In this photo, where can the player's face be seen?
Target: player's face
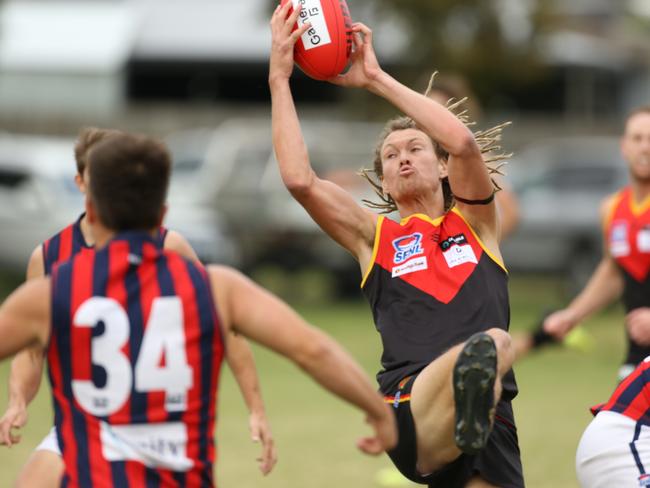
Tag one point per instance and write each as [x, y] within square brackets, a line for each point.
[635, 146]
[409, 164]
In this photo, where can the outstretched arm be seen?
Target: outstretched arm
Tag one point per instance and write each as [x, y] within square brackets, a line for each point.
[273, 324]
[242, 364]
[604, 286]
[468, 175]
[24, 323]
[26, 370]
[332, 208]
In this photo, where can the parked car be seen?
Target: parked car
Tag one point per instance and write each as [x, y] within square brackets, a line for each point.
[38, 197]
[560, 184]
[235, 166]
[37, 194]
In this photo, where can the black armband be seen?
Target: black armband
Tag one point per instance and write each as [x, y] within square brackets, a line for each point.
[485, 201]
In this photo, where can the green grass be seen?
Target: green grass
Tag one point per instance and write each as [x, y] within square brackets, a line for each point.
[315, 432]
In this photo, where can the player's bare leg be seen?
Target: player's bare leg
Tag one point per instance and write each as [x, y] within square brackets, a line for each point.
[43, 469]
[433, 402]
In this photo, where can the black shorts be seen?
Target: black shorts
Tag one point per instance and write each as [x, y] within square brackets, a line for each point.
[499, 463]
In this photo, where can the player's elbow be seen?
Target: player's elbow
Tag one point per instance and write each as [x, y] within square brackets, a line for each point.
[465, 145]
[299, 185]
[312, 354]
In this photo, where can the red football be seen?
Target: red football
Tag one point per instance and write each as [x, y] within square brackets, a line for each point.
[324, 50]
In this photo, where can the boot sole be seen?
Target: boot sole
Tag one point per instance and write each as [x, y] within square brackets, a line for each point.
[473, 380]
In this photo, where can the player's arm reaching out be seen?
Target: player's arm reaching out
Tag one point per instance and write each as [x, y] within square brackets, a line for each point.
[242, 364]
[468, 175]
[26, 372]
[24, 326]
[273, 324]
[604, 286]
[331, 207]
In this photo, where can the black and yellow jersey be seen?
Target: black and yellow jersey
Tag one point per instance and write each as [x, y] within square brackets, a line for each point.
[431, 284]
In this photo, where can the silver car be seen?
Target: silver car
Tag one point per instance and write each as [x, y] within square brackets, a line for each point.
[560, 184]
[237, 171]
[38, 198]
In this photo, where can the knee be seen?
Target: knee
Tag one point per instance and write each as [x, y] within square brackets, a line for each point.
[502, 339]
[505, 349]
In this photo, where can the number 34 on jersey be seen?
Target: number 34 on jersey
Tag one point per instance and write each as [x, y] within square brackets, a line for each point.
[161, 365]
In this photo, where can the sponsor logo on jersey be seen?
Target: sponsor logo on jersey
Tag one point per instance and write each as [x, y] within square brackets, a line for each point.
[458, 239]
[457, 251]
[643, 240]
[410, 266]
[618, 243]
[159, 445]
[407, 246]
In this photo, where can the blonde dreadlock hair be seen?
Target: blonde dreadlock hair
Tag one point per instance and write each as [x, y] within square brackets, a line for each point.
[487, 140]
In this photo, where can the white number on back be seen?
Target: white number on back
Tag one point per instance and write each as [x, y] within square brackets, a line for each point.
[165, 337]
[163, 342]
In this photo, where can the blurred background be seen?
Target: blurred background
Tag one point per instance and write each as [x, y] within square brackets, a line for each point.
[194, 73]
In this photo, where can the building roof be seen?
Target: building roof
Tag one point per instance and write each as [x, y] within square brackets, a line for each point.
[66, 36]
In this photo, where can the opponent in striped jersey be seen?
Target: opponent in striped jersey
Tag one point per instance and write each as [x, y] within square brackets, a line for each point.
[615, 448]
[134, 338]
[148, 380]
[44, 467]
[435, 283]
[70, 241]
[624, 270]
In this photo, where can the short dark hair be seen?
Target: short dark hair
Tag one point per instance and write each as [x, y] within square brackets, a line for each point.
[129, 177]
[88, 137]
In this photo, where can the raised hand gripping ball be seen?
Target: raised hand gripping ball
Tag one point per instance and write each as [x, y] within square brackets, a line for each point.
[324, 50]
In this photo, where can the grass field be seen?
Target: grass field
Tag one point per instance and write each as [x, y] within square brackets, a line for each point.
[315, 432]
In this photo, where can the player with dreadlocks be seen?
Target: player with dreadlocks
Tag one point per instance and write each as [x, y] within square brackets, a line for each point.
[435, 281]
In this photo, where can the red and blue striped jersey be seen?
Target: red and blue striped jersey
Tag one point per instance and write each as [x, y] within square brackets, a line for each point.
[69, 241]
[134, 359]
[632, 396]
[63, 245]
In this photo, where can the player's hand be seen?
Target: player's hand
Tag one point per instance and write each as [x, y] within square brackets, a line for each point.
[283, 40]
[385, 437]
[558, 324]
[261, 432]
[364, 67]
[638, 325]
[14, 418]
